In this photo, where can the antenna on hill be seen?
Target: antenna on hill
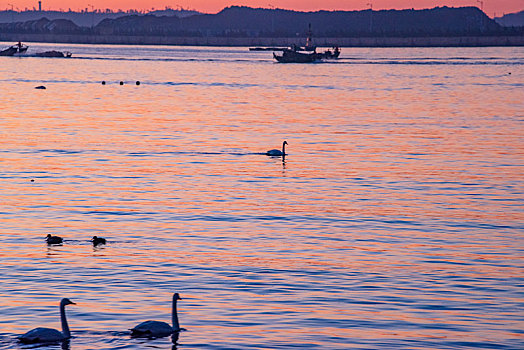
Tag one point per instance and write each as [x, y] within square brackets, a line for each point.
[272, 18]
[481, 5]
[481, 2]
[370, 4]
[92, 15]
[12, 13]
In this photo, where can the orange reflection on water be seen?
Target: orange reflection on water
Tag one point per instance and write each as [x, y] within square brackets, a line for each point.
[399, 196]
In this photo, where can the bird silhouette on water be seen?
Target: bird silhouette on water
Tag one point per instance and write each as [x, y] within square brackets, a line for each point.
[49, 335]
[277, 152]
[98, 240]
[158, 329]
[54, 239]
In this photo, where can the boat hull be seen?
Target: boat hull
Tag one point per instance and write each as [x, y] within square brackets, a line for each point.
[9, 51]
[289, 56]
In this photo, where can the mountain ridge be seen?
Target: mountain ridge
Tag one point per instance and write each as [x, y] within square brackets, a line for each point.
[247, 22]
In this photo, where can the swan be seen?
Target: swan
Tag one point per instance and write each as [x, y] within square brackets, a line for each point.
[53, 239]
[276, 152]
[157, 329]
[98, 240]
[46, 335]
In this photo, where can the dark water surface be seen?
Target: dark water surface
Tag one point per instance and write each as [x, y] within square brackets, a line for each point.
[395, 222]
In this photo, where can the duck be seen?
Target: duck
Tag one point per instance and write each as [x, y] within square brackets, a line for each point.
[159, 329]
[276, 152]
[98, 240]
[48, 335]
[54, 239]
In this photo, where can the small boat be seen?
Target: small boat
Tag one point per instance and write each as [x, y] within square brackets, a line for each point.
[303, 55]
[16, 49]
[10, 51]
[306, 54]
[54, 53]
[266, 48]
[21, 48]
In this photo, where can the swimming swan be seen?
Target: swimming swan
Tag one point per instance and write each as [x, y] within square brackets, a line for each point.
[276, 152]
[46, 335]
[157, 329]
[53, 239]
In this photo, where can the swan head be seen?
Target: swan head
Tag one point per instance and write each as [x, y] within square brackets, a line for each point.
[66, 301]
[94, 238]
[176, 296]
[285, 143]
[48, 235]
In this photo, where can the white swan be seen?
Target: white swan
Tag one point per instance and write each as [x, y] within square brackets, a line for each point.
[47, 335]
[276, 152]
[157, 329]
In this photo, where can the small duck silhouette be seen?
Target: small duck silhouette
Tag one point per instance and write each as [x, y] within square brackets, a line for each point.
[98, 240]
[53, 239]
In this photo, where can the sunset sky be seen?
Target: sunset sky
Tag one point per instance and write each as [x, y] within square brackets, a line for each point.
[491, 7]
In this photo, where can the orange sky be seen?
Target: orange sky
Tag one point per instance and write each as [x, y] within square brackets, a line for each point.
[212, 6]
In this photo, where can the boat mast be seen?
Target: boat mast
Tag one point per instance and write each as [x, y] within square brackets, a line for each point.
[309, 40]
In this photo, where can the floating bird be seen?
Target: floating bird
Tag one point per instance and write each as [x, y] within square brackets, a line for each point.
[54, 239]
[157, 329]
[276, 152]
[98, 240]
[47, 335]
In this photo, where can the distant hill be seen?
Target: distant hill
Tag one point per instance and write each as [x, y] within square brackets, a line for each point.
[238, 21]
[437, 21]
[245, 22]
[84, 18]
[511, 20]
[43, 25]
[180, 13]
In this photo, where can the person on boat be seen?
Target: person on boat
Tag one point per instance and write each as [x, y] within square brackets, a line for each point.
[19, 45]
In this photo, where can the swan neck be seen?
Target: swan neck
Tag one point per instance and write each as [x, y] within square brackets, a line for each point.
[174, 316]
[65, 326]
[283, 149]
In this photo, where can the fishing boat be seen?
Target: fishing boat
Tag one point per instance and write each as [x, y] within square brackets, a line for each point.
[306, 54]
[17, 49]
[302, 55]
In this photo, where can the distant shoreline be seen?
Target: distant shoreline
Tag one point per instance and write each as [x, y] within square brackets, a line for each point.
[459, 41]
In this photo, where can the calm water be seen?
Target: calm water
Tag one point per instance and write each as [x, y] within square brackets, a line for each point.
[395, 222]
